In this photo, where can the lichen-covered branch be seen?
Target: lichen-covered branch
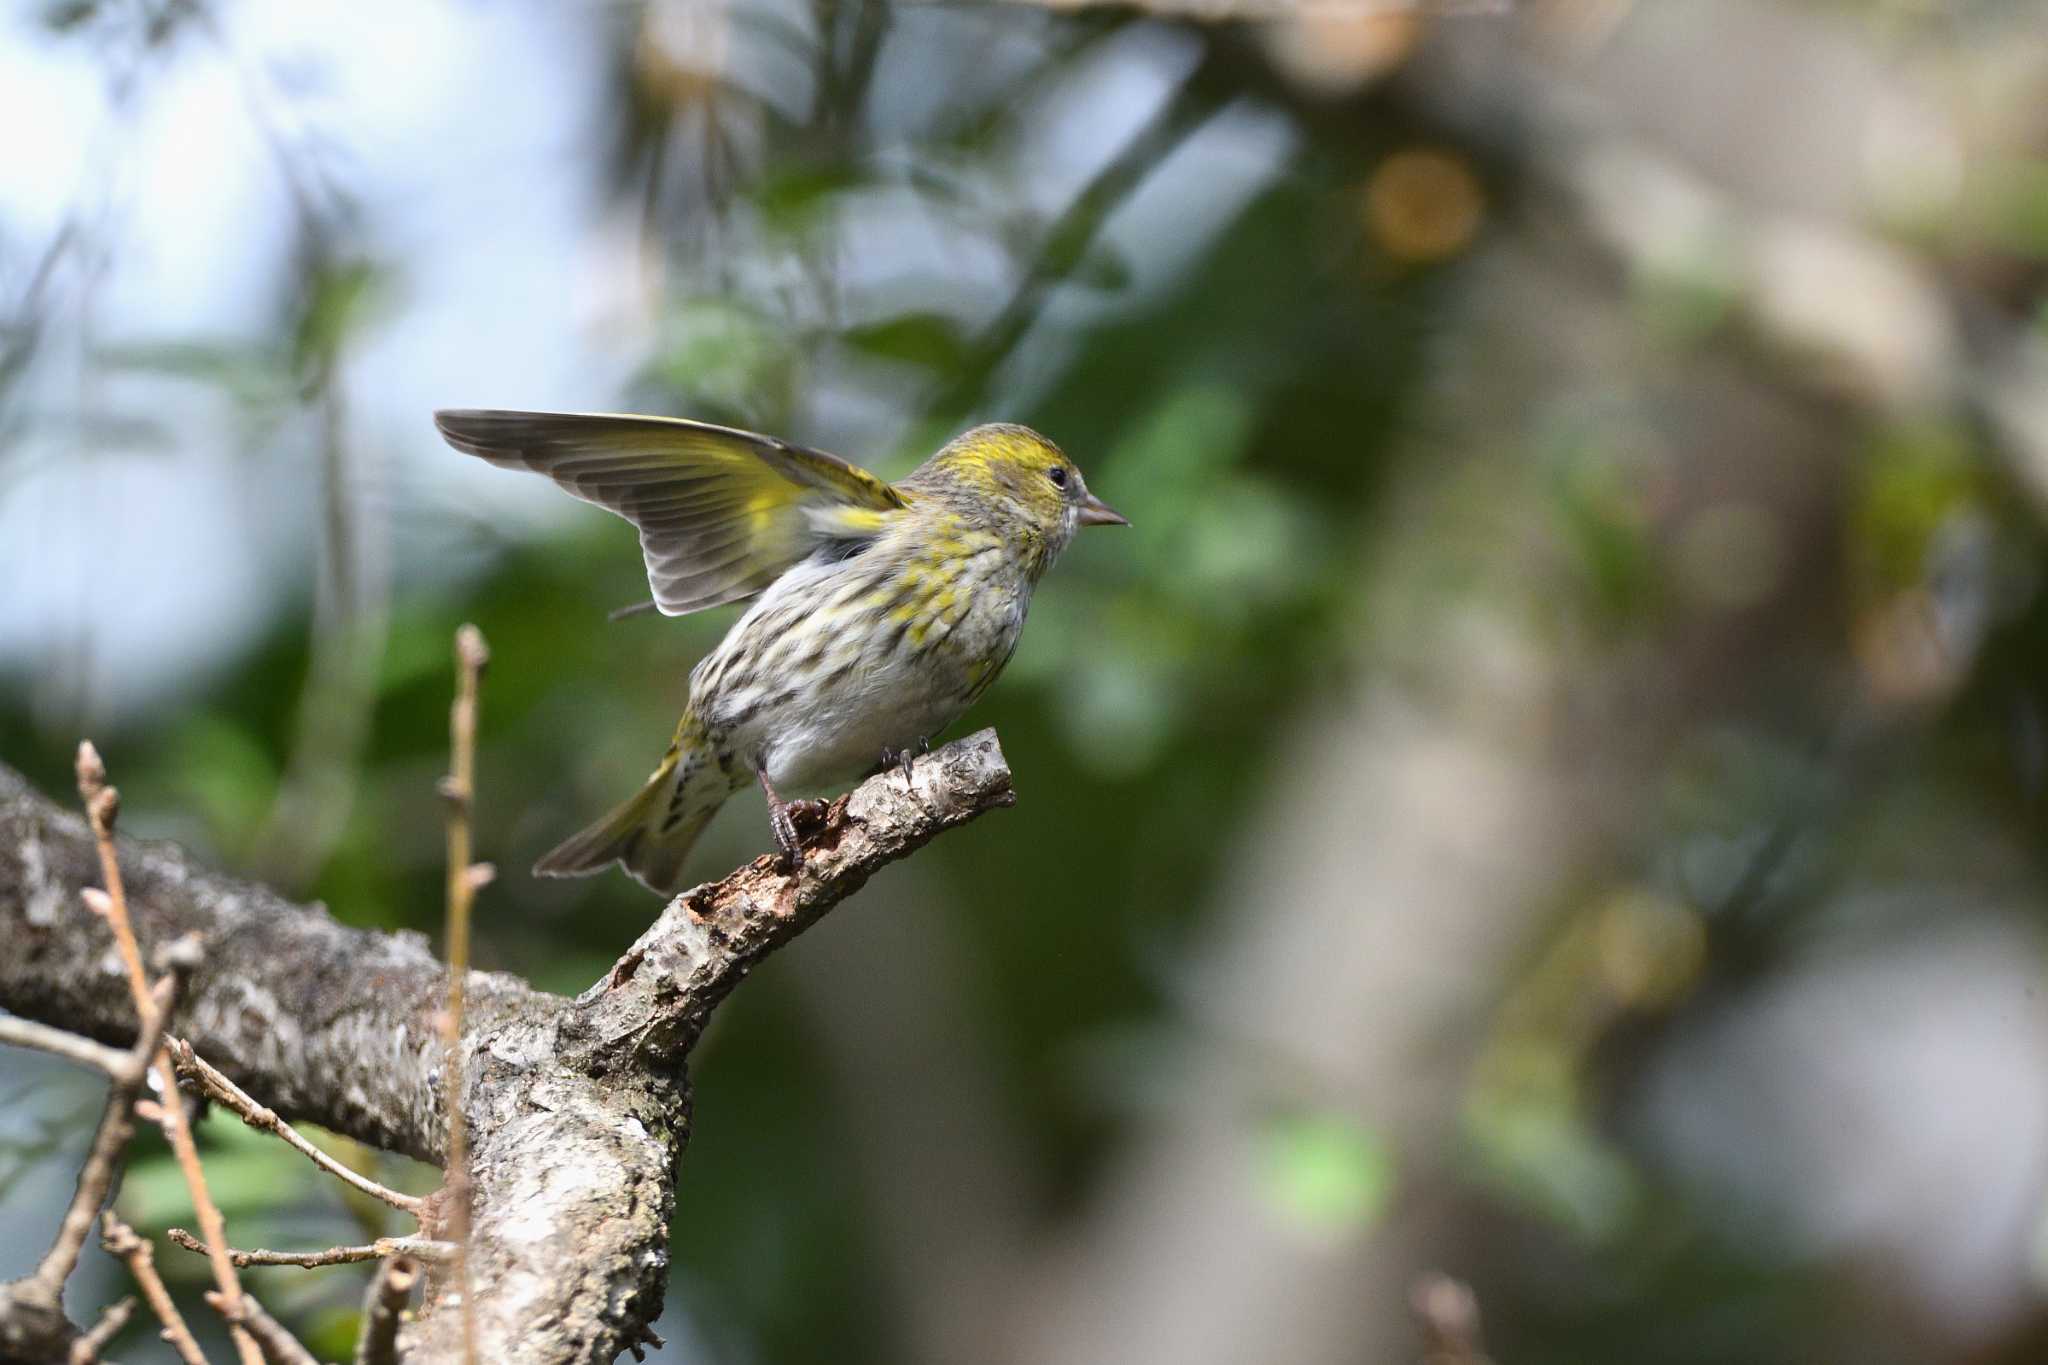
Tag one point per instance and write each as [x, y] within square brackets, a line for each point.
[577, 1109]
[656, 999]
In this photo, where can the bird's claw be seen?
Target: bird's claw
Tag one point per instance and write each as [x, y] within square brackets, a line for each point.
[784, 818]
[785, 837]
[903, 759]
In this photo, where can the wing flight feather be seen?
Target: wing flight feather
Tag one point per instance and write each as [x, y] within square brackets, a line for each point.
[721, 512]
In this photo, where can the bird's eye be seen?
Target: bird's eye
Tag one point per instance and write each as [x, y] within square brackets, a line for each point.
[1058, 475]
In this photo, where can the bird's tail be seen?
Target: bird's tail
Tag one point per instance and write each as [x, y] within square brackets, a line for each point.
[652, 832]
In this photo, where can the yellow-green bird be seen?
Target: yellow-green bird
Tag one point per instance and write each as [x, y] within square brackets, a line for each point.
[881, 611]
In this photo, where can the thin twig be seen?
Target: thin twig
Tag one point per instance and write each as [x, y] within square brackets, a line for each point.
[279, 1345]
[102, 808]
[459, 789]
[384, 1305]
[121, 1240]
[103, 1161]
[87, 1348]
[231, 1096]
[418, 1248]
[1448, 1312]
[177, 1129]
[55, 1041]
[103, 805]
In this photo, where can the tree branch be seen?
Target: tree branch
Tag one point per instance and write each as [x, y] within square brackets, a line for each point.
[124, 1242]
[384, 1248]
[384, 1305]
[279, 1346]
[458, 789]
[110, 903]
[32, 1320]
[110, 1143]
[194, 1068]
[55, 1041]
[87, 1348]
[577, 1109]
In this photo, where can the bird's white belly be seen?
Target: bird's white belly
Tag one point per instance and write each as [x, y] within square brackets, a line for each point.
[814, 725]
[848, 731]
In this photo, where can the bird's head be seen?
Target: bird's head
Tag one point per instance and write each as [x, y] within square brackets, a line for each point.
[1018, 479]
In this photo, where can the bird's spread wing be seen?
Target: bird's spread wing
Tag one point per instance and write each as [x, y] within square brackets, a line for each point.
[721, 512]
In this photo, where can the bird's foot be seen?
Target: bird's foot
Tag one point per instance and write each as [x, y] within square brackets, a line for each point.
[784, 818]
[785, 837]
[902, 759]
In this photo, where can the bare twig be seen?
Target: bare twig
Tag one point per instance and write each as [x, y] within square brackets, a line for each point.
[280, 1347]
[384, 1305]
[177, 1129]
[459, 789]
[102, 805]
[87, 1348]
[96, 1177]
[55, 1041]
[121, 1240]
[226, 1093]
[417, 1248]
[1448, 1312]
[32, 1318]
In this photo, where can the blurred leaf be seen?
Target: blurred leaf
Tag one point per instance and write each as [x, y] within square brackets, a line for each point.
[1192, 435]
[1122, 709]
[2008, 205]
[58, 1130]
[724, 361]
[1327, 1173]
[330, 1333]
[1524, 1123]
[1916, 477]
[415, 647]
[222, 773]
[797, 198]
[247, 1172]
[1247, 546]
[340, 299]
[65, 15]
[1687, 307]
[253, 377]
[930, 339]
[1601, 518]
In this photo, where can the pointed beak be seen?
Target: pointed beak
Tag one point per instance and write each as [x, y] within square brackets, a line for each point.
[1096, 512]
